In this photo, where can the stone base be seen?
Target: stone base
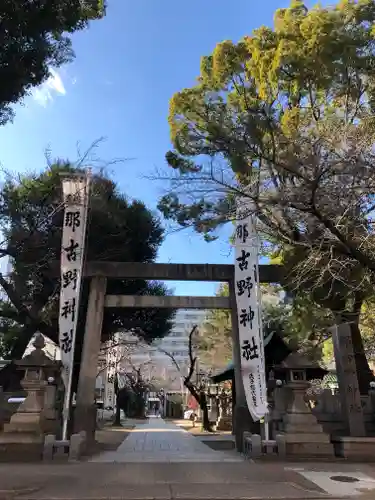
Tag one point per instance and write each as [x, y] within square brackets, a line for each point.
[307, 437]
[309, 449]
[355, 448]
[308, 444]
[224, 424]
[25, 423]
[21, 447]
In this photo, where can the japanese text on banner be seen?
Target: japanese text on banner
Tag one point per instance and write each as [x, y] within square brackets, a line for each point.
[249, 316]
[72, 248]
[111, 369]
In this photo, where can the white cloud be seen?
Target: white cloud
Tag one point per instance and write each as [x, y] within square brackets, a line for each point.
[47, 91]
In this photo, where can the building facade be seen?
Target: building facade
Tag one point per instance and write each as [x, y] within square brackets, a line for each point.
[157, 362]
[176, 346]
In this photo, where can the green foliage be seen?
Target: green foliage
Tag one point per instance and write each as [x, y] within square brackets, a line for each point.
[285, 118]
[36, 36]
[303, 322]
[10, 331]
[367, 328]
[307, 325]
[119, 230]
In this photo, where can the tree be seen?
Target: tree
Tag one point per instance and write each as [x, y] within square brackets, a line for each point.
[214, 339]
[367, 328]
[118, 230]
[197, 391]
[304, 323]
[284, 119]
[125, 346]
[35, 36]
[131, 397]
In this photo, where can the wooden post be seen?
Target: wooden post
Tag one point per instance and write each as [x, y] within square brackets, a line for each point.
[85, 411]
[242, 420]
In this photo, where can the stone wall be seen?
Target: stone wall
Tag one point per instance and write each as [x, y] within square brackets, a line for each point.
[326, 406]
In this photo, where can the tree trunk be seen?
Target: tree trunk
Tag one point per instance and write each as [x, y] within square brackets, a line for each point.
[364, 373]
[22, 342]
[203, 406]
[200, 397]
[139, 406]
[117, 420]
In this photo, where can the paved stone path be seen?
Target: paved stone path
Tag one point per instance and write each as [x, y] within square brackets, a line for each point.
[161, 461]
[179, 481]
[160, 441]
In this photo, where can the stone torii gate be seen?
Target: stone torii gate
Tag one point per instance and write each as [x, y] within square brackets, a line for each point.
[99, 272]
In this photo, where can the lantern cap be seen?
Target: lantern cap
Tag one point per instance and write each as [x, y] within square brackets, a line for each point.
[37, 358]
[300, 361]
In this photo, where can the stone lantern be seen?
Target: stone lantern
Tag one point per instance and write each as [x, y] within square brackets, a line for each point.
[225, 418]
[30, 422]
[303, 434]
[299, 368]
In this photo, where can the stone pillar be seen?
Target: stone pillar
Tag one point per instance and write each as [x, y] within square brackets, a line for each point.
[1, 408]
[278, 409]
[233, 402]
[242, 420]
[50, 400]
[50, 412]
[85, 411]
[351, 407]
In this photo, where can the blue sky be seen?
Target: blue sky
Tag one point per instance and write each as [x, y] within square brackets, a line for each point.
[127, 67]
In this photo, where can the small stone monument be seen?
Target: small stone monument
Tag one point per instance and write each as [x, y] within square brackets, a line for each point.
[355, 445]
[25, 431]
[351, 406]
[304, 436]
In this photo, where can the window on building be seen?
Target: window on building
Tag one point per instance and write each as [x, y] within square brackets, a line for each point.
[179, 325]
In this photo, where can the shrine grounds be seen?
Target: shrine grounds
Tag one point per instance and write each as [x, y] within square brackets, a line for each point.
[160, 460]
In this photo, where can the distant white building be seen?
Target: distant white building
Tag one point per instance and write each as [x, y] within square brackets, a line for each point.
[176, 346]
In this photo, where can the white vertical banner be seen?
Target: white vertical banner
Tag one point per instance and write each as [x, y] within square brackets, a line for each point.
[75, 189]
[75, 198]
[111, 361]
[249, 312]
